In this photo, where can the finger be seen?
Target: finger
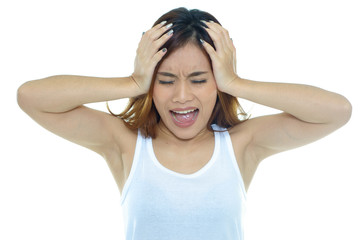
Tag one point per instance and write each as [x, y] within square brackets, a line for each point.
[156, 27]
[230, 43]
[235, 64]
[158, 56]
[215, 37]
[218, 28]
[154, 45]
[162, 30]
[156, 32]
[223, 34]
[162, 40]
[152, 42]
[214, 27]
[209, 49]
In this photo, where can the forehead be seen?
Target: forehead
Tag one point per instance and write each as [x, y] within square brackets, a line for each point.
[187, 58]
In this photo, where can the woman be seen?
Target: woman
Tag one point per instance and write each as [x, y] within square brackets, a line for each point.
[182, 159]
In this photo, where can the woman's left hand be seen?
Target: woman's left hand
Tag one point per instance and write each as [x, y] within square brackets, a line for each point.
[224, 58]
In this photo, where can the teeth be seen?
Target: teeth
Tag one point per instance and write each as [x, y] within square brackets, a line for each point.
[174, 116]
[184, 112]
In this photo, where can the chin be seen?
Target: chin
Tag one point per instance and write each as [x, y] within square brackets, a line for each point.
[184, 130]
[187, 133]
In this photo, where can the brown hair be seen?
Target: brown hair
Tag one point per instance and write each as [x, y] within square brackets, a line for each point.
[141, 112]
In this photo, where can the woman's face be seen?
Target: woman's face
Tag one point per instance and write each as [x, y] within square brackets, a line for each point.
[185, 92]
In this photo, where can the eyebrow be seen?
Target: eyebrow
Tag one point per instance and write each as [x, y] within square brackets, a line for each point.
[167, 74]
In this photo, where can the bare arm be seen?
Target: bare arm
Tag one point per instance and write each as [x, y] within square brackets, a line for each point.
[307, 103]
[63, 93]
[310, 113]
[56, 103]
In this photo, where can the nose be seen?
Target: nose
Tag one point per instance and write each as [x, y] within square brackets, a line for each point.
[182, 92]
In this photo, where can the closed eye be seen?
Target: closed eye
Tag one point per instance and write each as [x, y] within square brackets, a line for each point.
[166, 82]
[193, 81]
[199, 81]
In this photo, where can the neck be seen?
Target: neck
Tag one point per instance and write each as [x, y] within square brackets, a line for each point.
[164, 134]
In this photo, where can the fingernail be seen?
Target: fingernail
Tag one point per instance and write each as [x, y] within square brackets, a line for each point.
[205, 23]
[168, 26]
[202, 41]
[164, 49]
[163, 22]
[170, 32]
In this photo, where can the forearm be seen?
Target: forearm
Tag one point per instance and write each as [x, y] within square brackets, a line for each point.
[307, 103]
[65, 92]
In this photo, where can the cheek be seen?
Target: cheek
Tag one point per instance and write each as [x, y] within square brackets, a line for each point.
[213, 96]
[160, 97]
[212, 101]
[208, 99]
[211, 93]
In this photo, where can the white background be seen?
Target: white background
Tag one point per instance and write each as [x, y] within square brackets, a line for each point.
[53, 189]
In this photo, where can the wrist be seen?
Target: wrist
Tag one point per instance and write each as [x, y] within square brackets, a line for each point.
[234, 87]
[136, 87]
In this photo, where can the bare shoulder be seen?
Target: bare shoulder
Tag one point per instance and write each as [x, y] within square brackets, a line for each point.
[240, 134]
[272, 134]
[252, 132]
[120, 156]
[241, 138]
[124, 137]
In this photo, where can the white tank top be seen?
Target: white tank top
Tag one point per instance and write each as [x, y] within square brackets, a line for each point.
[161, 204]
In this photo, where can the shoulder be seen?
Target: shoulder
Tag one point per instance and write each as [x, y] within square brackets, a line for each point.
[120, 153]
[241, 133]
[244, 137]
[243, 148]
[124, 137]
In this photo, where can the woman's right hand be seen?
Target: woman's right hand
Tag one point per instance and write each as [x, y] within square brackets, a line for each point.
[148, 55]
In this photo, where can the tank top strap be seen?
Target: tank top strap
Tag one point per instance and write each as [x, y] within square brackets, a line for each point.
[228, 150]
[208, 204]
[140, 142]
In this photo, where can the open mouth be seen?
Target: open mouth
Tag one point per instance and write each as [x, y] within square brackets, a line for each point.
[185, 118]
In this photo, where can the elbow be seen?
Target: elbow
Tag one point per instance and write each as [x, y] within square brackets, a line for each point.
[22, 96]
[344, 112]
[26, 96]
[348, 110]
[30, 93]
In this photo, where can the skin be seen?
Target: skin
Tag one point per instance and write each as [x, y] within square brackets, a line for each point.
[184, 150]
[308, 113]
[183, 92]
